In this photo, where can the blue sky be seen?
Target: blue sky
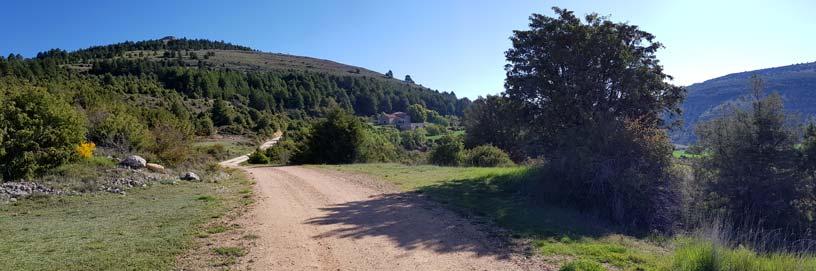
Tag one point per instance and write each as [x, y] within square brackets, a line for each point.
[451, 45]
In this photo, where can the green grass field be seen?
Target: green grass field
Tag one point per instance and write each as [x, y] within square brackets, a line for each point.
[143, 230]
[562, 235]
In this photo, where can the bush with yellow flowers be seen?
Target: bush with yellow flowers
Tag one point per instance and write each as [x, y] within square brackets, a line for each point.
[85, 149]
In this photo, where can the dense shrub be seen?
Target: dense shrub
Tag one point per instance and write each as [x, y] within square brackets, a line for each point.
[620, 170]
[258, 157]
[343, 138]
[122, 132]
[753, 170]
[375, 147]
[447, 152]
[204, 126]
[172, 137]
[281, 153]
[334, 140]
[42, 132]
[414, 139]
[487, 156]
[435, 130]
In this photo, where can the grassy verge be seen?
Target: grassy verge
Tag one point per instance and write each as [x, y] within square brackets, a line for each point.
[144, 230]
[695, 254]
[500, 194]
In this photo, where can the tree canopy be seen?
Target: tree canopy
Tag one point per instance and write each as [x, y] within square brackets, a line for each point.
[571, 72]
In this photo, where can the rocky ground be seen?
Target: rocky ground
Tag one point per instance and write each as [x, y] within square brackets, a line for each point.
[132, 172]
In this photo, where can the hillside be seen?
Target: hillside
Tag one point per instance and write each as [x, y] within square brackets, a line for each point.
[204, 69]
[796, 84]
[156, 97]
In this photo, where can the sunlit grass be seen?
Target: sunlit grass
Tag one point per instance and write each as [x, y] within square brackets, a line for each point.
[143, 230]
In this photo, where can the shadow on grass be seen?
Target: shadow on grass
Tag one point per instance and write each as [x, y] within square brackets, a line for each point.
[510, 201]
[413, 222]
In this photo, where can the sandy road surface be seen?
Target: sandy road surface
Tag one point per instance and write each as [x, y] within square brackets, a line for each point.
[311, 219]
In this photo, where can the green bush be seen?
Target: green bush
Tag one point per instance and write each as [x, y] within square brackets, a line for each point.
[435, 130]
[281, 153]
[42, 131]
[414, 139]
[172, 137]
[122, 132]
[205, 126]
[447, 152]
[258, 157]
[487, 156]
[333, 140]
[375, 147]
[582, 265]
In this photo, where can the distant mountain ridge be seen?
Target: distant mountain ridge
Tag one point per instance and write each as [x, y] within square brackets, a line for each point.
[796, 83]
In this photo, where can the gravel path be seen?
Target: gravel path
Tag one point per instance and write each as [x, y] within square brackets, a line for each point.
[312, 219]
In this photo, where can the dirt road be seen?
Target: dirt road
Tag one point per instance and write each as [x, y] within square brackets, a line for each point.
[235, 162]
[311, 219]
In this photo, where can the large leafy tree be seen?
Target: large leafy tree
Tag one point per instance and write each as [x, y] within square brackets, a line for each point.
[571, 72]
[596, 95]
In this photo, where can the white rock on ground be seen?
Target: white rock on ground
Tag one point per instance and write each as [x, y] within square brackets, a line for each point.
[134, 161]
[190, 176]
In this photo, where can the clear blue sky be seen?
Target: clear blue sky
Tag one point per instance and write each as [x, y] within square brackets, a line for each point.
[450, 45]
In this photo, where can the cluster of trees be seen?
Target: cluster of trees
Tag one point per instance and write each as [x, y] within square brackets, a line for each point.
[280, 91]
[341, 138]
[589, 98]
[419, 113]
[753, 169]
[119, 49]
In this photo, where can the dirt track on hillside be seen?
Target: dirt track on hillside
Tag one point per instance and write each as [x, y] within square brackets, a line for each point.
[311, 219]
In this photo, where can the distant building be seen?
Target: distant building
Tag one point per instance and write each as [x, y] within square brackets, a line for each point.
[399, 119]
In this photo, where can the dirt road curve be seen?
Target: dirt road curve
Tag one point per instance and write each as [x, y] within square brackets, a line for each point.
[311, 219]
[235, 162]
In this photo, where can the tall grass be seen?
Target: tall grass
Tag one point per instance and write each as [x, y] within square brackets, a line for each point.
[719, 246]
[694, 254]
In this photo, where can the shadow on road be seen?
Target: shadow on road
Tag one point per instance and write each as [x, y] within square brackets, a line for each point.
[412, 220]
[413, 223]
